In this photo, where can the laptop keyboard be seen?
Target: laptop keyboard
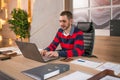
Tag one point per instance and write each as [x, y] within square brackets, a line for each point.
[48, 58]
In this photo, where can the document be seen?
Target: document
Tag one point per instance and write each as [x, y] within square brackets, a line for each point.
[15, 49]
[108, 77]
[111, 66]
[7, 48]
[76, 76]
[87, 63]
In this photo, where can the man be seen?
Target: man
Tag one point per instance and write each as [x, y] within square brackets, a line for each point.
[68, 36]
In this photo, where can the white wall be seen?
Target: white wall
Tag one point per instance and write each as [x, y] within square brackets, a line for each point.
[45, 21]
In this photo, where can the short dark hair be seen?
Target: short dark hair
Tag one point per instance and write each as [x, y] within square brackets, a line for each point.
[67, 13]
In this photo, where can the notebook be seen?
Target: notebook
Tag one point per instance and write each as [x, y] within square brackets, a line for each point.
[30, 51]
[46, 71]
[4, 76]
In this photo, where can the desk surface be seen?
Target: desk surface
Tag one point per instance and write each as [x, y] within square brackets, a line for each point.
[107, 48]
[14, 66]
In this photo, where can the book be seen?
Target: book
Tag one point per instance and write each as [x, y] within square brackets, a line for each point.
[46, 71]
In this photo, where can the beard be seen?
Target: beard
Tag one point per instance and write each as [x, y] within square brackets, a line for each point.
[65, 27]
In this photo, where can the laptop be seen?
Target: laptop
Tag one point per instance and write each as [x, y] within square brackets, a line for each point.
[30, 51]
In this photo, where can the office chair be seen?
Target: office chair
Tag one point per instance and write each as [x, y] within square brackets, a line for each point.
[89, 37]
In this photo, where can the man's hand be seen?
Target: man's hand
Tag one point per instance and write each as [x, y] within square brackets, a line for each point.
[52, 54]
[43, 52]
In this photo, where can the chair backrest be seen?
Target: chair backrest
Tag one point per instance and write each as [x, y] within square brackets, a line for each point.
[89, 36]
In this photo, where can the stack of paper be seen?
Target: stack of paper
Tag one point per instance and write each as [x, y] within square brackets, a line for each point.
[7, 48]
[91, 64]
[111, 66]
[15, 49]
[76, 76]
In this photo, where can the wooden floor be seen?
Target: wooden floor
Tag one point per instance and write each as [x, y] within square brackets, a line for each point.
[107, 48]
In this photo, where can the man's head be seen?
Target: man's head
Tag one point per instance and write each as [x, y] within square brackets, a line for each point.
[66, 19]
[67, 13]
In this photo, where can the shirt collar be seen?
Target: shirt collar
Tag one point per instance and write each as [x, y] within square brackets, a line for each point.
[71, 31]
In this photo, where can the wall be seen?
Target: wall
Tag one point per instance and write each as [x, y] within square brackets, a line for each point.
[45, 21]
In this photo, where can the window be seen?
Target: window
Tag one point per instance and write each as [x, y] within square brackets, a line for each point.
[100, 12]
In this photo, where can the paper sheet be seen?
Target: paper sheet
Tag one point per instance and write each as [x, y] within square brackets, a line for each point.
[91, 64]
[76, 76]
[15, 49]
[111, 66]
[7, 48]
[109, 78]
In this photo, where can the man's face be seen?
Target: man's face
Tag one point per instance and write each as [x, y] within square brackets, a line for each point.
[65, 23]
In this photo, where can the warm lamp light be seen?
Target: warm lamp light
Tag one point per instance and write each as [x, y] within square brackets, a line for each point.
[18, 3]
[10, 41]
[29, 19]
[2, 4]
[6, 14]
[0, 38]
[29, 11]
[1, 23]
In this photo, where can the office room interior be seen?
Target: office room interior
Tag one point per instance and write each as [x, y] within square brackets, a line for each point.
[44, 21]
[43, 16]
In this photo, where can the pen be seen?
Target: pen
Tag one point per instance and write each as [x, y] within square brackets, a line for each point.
[81, 61]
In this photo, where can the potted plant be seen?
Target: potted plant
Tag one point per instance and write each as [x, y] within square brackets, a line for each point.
[19, 23]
